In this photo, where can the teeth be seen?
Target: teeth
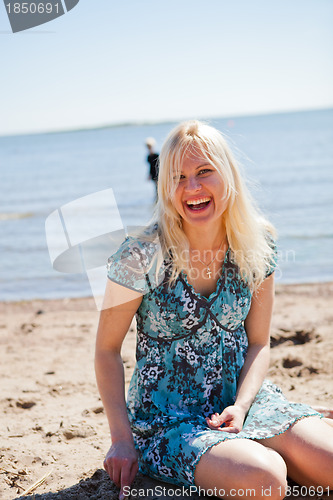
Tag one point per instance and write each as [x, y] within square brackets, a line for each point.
[197, 202]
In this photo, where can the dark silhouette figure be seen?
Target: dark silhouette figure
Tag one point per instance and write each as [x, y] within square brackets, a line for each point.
[152, 159]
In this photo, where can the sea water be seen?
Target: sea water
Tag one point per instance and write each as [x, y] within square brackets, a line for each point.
[287, 159]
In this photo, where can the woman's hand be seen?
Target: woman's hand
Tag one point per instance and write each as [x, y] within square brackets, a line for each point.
[121, 463]
[232, 419]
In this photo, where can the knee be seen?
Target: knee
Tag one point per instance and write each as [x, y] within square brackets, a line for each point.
[273, 485]
[269, 476]
[321, 475]
[243, 470]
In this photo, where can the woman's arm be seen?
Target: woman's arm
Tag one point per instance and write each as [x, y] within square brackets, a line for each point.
[257, 326]
[121, 459]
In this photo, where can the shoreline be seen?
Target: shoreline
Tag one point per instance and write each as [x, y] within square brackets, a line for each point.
[278, 286]
[52, 417]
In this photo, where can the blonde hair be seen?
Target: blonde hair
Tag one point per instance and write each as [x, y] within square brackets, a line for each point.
[249, 234]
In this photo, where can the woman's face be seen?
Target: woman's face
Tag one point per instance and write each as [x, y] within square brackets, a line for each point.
[200, 197]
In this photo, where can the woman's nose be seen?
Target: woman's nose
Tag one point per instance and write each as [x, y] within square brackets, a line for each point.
[192, 184]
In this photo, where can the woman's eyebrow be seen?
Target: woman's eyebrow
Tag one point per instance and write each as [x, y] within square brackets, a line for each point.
[203, 165]
[197, 168]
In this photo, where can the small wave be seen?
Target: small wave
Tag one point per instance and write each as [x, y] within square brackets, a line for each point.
[16, 215]
[307, 236]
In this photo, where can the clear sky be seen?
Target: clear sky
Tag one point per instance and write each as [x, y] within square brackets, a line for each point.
[109, 61]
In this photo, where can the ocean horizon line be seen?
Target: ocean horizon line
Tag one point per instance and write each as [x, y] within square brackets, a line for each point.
[142, 123]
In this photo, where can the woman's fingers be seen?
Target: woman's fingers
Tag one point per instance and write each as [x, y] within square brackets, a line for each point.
[231, 428]
[114, 467]
[121, 463]
[134, 470]
[227, 426]
[115, 470]
[122, 472]
[127, 478]
[230, 420]
[213, 422]
[125, 481]
[108, 467]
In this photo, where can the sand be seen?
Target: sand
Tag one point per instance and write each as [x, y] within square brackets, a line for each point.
[52, 419]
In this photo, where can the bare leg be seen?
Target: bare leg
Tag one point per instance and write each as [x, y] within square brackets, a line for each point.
[241, 464]
[326, 412]
[307, 448]
[329, 421]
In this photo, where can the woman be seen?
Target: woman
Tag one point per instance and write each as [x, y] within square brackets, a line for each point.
[201, 283]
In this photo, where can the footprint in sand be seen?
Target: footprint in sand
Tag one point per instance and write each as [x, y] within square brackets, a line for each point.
[79, 431]
[298, 337]
[291, 362]
[304, 371]
[28, 327]
[25, 404]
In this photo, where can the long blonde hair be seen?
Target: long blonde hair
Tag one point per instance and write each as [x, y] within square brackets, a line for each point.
[249, 234]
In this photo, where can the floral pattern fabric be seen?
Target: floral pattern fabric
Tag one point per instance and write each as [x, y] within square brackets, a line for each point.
[189, 354]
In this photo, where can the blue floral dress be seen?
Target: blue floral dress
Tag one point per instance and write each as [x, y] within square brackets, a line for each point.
[189, 354]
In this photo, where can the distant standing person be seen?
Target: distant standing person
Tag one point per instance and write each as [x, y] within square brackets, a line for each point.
[152, 159]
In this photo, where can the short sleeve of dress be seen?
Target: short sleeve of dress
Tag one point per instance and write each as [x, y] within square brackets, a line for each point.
[272, 265]
[132, 266]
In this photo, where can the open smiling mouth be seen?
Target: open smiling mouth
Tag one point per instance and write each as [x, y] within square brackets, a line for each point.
[198, 204]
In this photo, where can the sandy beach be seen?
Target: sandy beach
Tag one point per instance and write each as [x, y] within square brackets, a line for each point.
[52, 419]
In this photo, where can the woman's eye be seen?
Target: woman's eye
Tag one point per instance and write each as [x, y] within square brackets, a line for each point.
[204, 171]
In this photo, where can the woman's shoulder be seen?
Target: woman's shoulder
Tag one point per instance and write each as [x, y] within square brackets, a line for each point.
[137, 248]
[136, 261]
